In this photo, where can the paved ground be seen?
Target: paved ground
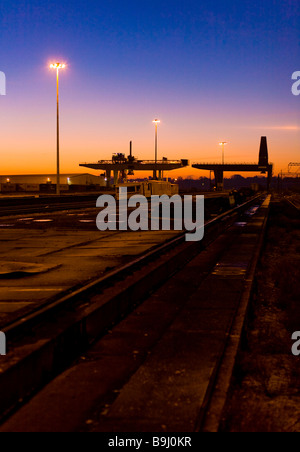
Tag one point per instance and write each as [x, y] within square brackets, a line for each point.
[64, 251]
[152, 371]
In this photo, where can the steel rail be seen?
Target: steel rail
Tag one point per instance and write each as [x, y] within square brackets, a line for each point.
[44, 209]
[293, 204]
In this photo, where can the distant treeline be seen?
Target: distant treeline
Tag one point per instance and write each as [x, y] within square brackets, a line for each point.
[236, 182]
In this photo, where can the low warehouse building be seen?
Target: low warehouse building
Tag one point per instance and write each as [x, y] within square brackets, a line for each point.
[39, 182]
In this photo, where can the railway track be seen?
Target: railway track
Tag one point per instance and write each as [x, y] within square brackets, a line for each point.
[44, 208]
[42, 344]
[294, 202]
[46, 205]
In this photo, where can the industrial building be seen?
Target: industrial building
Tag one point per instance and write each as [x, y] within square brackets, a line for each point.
[47, 182]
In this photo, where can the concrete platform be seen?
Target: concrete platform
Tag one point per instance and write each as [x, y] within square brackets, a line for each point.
[57, 242]
[40, 261]
[151, 373]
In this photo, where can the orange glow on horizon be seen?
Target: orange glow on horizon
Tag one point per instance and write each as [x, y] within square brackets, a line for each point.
[99, 122]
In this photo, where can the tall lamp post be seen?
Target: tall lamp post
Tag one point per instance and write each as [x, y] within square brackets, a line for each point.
[57, 67]
[156, 122]
[223, 144]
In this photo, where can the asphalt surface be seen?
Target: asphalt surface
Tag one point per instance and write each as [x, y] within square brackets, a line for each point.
[46, 256]
[153, 370]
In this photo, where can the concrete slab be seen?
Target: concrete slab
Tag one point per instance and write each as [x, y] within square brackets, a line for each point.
[12, 307]
[152, 372]
[88, 389]
[169, 388]
[32, 294]
[70, 258]
[21, 269]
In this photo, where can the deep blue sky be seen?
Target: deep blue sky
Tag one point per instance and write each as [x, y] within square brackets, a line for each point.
[207, 68]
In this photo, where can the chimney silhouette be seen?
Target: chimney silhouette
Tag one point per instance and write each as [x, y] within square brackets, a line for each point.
[263, 160]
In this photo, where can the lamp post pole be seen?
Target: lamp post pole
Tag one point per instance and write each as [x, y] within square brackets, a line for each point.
[156, 122]
[57, 66]
[57, 138]
[223, 144]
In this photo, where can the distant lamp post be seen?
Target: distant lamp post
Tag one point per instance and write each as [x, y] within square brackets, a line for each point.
[57, 67]
[156, 122]
[223, 144]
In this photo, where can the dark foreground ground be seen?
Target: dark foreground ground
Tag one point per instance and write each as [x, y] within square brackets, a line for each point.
[265, 395]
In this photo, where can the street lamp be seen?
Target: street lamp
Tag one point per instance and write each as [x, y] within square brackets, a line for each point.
[57, 67]
[223, 144]
[156, 122]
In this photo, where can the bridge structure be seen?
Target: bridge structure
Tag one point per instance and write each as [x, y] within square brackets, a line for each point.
[122, 166]
[263, 166]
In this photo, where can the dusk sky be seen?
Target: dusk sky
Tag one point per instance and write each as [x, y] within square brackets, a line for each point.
[209, 70]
